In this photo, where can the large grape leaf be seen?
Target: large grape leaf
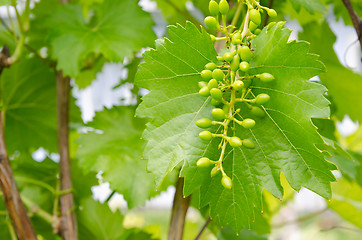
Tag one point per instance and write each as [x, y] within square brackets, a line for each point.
[114, 147]
[344, 86]
[285, 138]
[118, 29]
[29, 105]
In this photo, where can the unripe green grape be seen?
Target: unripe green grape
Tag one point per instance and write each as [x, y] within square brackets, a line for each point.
[257, 31]
[265, 77]
[248, 143]
[256, 111]
[226, 109]
[235, 142]
[251, 37]
[216, 93]
[248, 123]
[223, 7]
[205, 135]
[203, 123]
[272, 13]
[205, 92]
[215, 102]
[238, 85]
[218, 74]
[226, 182]
[204, 162]
[255, 16]
[252, 26]
[210, 66]
[220, 58]
[234, 66]
[244, 66]
[245, 53]
[214, 171]
[228, 56]
[213, 8]
[236, 38]
[211, 22]
[212, 84]
[202, 84]
[206, 74]
[262, 98]
[218, 114]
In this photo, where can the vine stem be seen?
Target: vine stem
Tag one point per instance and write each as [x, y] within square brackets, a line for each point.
[179, 210]
[267, 16]
[21, 222]
[68, 223]
[357, 22]
[203, 228]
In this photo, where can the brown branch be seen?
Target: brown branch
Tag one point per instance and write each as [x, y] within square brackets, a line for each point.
[203, 228]
[14, 205]
[357, 22]
[68, 224]
[179, 210]
[342, 228]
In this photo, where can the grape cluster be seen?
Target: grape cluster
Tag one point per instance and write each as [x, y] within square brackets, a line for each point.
[228, 82]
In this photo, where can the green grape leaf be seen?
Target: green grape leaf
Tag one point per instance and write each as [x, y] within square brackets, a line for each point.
[347, 201]
[29, 106]
[97, 221]
[114, 147]
[118, 29]
[345, 94]
[285, 138]
[310, 5]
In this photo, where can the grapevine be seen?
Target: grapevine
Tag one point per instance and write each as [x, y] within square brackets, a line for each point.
[228, 82]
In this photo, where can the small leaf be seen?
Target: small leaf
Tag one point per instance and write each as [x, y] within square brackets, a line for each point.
[114, 147]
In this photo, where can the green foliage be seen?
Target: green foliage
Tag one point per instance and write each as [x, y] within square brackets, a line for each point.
[347, 201]
[110, 34]
[343, 84]
[114, 147]
[29, 109]
[97, 221]
[310, 5]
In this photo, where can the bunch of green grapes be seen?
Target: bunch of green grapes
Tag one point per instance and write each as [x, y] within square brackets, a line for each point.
[228, 81]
